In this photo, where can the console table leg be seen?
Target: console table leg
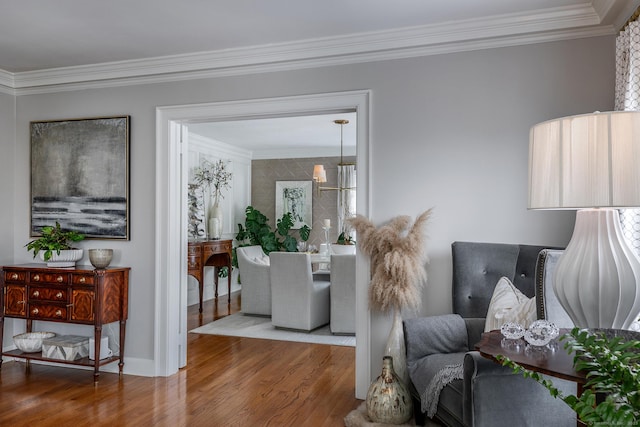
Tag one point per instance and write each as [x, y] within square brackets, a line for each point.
[229, 283]
[1, 337]
[201, 289]
[216, 270]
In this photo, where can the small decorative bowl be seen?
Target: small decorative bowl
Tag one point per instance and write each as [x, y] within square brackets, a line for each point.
[31, 342]
[541, 332]
[512, 330]
[100, 258]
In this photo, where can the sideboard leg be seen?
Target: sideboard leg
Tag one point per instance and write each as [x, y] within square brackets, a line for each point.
[123, 330]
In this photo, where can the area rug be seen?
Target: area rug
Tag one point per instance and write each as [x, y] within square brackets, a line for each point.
[239, 325]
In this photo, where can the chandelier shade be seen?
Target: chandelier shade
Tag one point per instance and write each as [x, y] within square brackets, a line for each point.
[320, 173]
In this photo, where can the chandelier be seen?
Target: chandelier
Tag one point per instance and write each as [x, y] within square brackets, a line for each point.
[320, 173]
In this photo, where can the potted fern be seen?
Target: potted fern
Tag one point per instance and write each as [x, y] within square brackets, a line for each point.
[55, 246]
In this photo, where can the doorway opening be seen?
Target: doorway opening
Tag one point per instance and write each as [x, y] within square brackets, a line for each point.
[171, 213]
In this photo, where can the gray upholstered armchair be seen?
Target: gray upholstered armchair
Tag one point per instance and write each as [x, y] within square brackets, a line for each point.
[488, 395]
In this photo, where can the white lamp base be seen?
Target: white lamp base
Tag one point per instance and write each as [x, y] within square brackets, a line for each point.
[597, 279]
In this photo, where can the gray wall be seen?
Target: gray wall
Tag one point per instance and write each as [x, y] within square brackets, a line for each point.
[447, 131]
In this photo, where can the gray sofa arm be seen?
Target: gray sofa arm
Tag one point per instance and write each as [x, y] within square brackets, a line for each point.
[494, 396]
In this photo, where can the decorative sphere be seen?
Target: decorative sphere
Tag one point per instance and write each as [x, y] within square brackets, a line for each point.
[100, 258]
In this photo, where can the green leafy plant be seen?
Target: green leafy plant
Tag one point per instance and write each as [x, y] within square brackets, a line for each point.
[256, 231]
[345, 239]
[53, 239]
[611, 395]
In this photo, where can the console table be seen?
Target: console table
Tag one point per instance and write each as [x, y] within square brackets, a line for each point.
[215, 253]
[79, 295]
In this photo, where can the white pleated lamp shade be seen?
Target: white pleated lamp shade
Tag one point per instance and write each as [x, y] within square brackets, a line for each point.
[591, 163]
[585, 161]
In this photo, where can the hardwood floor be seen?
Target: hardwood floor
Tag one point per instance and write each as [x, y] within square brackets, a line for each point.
[228, 381]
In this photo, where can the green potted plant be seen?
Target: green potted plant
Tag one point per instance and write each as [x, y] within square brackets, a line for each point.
[55, 246]
[611, 395]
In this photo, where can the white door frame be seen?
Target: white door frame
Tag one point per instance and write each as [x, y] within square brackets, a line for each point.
[171, 236]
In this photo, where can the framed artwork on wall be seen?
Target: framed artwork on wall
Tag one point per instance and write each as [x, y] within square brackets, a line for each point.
[80, 176]
[295, 197]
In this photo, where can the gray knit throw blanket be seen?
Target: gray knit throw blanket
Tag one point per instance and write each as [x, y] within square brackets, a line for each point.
[431, 395]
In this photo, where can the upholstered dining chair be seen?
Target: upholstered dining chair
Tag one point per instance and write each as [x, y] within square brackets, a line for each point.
[343, 294]
[256, 282]
[297, 300]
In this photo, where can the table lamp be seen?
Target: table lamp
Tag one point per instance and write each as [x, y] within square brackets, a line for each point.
[591, 163]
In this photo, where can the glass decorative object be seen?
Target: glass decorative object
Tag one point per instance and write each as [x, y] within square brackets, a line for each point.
[512, 330]
[541, 332]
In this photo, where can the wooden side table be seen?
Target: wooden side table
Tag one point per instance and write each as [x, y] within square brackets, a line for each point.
[558, 363]
[209, 253]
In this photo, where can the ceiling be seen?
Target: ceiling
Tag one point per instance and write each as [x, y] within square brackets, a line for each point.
[285, 137]
[46, 43]
[43, 34]
[48, 46]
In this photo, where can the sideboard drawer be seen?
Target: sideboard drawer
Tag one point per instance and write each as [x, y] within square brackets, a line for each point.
[48, 294]
[53, 278]
[194, 257]
[217, 247]
[82, 279]
[14, 276]
[48, 311]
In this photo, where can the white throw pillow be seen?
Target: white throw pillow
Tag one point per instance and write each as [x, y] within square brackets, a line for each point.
[508, 304]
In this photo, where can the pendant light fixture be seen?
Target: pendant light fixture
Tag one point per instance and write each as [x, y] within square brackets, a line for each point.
[319, 172]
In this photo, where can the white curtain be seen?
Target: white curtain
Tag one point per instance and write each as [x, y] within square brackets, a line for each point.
[346, 198]
[627, 97]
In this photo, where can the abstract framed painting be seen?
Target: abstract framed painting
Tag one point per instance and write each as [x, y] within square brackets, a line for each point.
[295, 197]
[80, 176]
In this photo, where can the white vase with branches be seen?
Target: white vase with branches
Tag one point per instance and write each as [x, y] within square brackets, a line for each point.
[216, 178]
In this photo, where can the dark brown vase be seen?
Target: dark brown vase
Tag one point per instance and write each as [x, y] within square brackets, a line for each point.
[388, 400]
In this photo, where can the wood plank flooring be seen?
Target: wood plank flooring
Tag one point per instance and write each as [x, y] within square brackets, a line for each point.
[228, 381]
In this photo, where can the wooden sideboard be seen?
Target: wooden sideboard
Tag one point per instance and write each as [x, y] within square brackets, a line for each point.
[68, 295]
[215, 253]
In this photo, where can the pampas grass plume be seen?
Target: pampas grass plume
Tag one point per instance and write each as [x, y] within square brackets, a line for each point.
[398, 257]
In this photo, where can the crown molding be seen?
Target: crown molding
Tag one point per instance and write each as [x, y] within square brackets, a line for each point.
[6, 83]
[554, 24]
[206, 145]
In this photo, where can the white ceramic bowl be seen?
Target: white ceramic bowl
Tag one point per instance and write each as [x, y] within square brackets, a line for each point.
[343, 249]
[100, 258]
[31, 342]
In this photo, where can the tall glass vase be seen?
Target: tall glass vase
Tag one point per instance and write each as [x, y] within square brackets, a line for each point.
[396, 348]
